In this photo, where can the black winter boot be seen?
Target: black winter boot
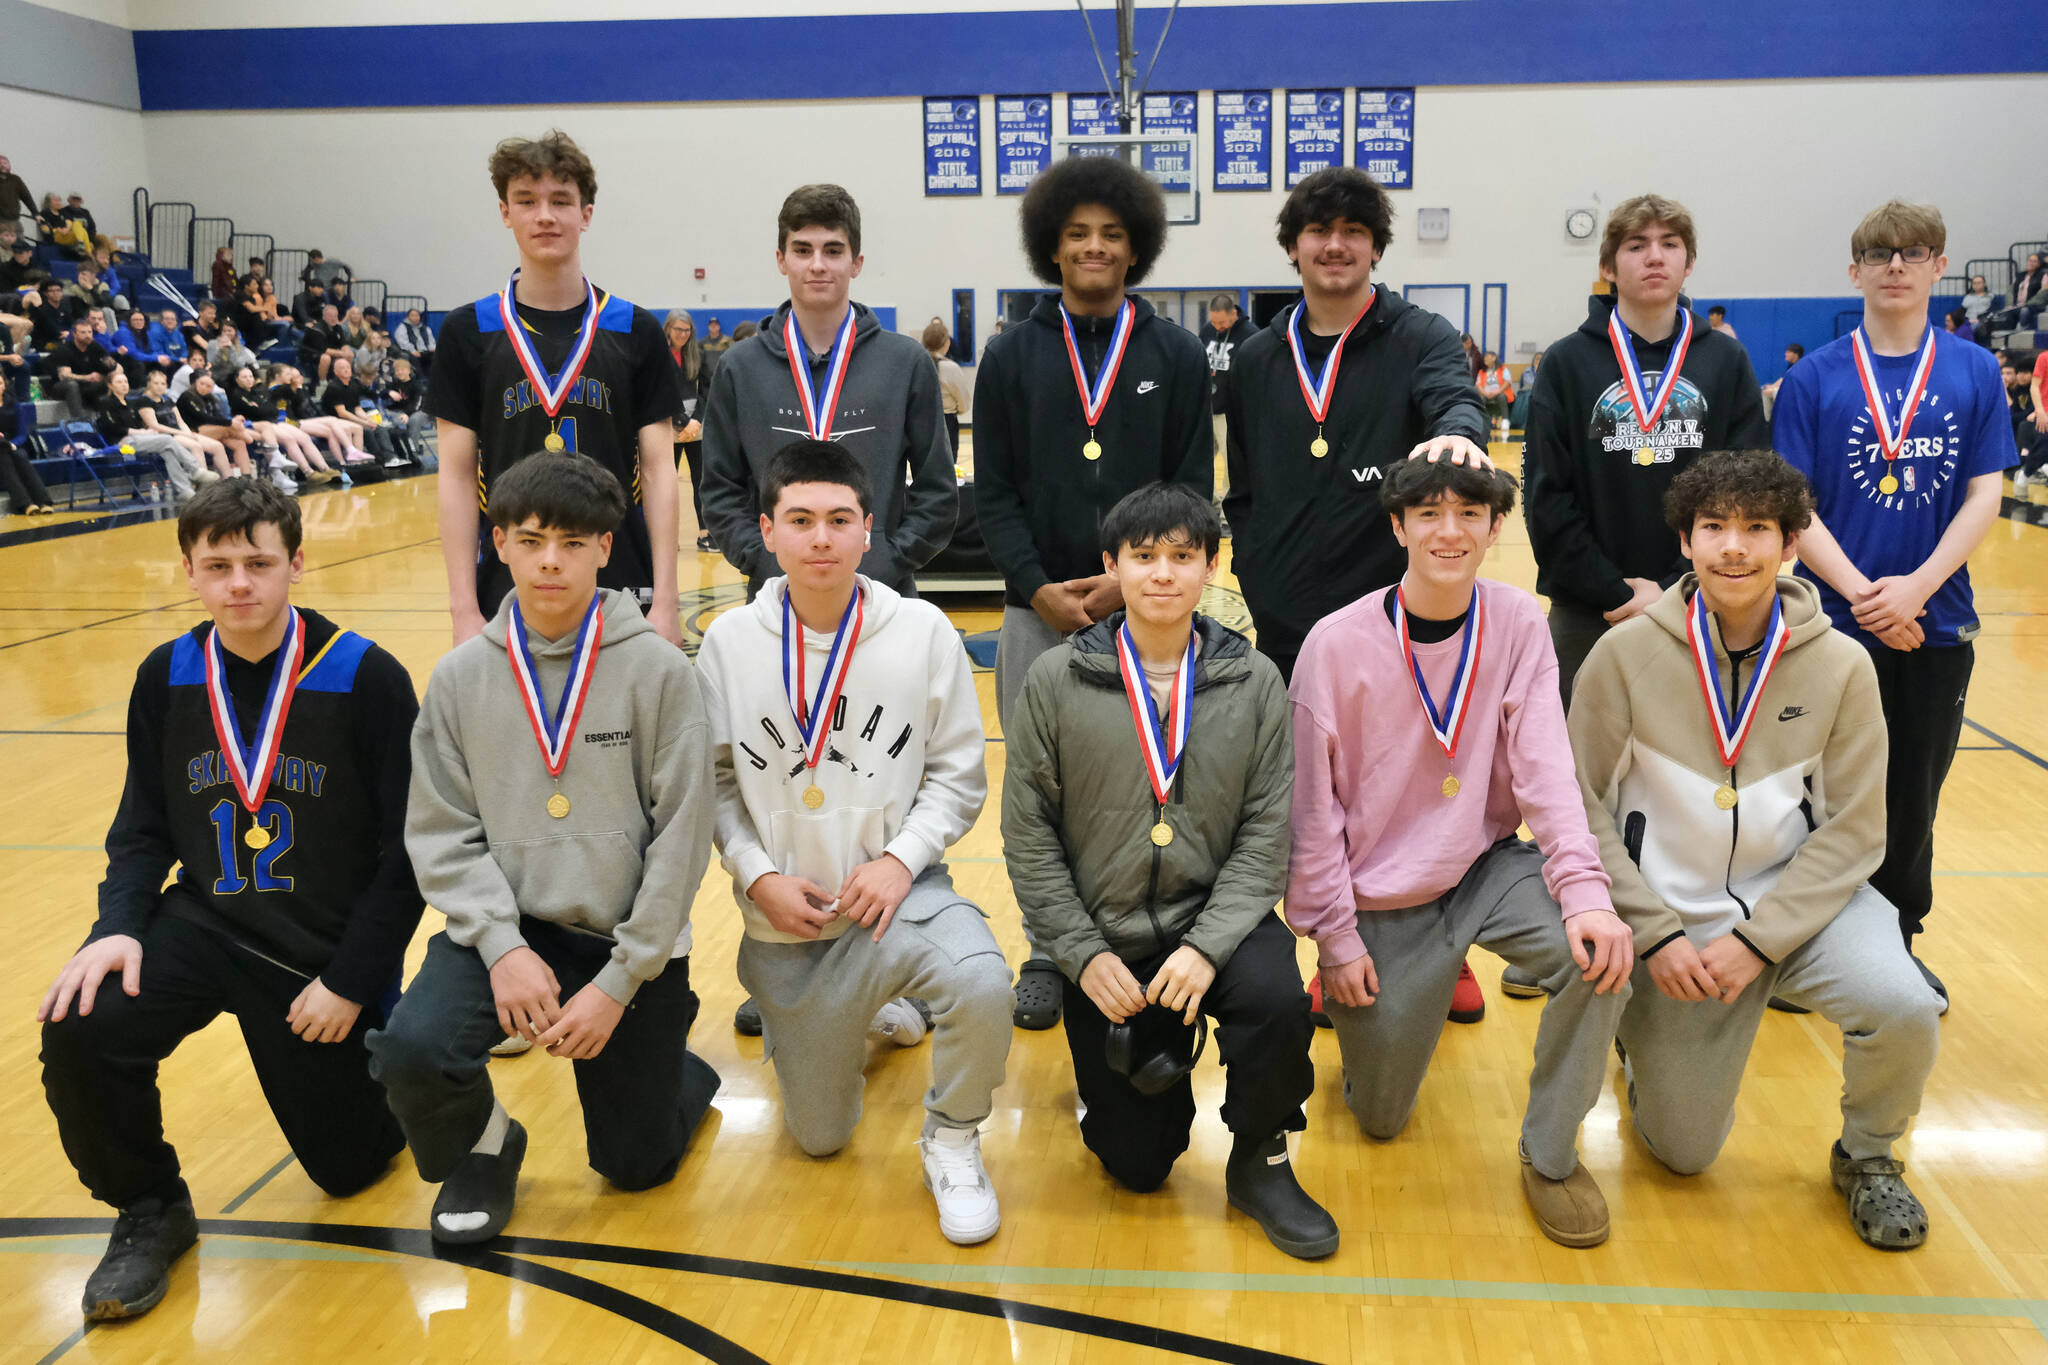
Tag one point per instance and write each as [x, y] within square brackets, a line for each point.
[1260, 1181]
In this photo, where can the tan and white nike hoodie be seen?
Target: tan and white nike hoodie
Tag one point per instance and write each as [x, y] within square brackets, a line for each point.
[1808, 825]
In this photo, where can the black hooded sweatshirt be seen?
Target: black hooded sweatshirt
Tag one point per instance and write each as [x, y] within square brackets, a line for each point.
[1040, 500]
[1308, 534]
[1596, 516]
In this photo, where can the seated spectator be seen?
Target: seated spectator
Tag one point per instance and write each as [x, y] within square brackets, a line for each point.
[15, 200]
[349, 401]
[158, 413]
[61, 233]
[744, 330]
[87, 294]
[294, 403]
[120, 425]
[1978, 301]
[52, 320]
[75, 211]
[133, 348]
[279, 322]
[399, 394]
[2029, 296]
[250, 406]
[415, 340]
[258, 269]
[81, 366]
[306, 306]
[109, 261]
[246, 311]
[26, 495]
[1958, 322]
[224, 281]
[353, 327]
[194, 366]
[15, 352]
[20, 271]
[166, 338]
[337, 294]
[225, 353]
[323, 343]
[373, 358]
[203, 329]
[2019, 401]
[205, 411]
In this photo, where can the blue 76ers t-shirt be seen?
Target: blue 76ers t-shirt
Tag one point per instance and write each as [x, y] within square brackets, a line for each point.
[1823, 428]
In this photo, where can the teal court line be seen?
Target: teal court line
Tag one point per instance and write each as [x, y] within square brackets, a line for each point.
[1641, 1296]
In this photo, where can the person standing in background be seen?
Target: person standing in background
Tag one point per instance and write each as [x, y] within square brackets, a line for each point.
[954, 392]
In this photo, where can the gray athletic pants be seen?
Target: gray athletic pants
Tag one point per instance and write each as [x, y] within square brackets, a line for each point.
[178, 461]
[1025, 636]
[816, 1000]
[1685, 1058]
[1502, 906]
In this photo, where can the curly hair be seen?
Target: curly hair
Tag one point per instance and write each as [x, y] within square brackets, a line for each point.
[1736, 483]
[1412, 483]
[1113, 183]
[1337, 192]
[555, 154]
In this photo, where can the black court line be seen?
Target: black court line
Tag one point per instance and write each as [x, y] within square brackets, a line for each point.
[123, 732]
[504, 1257]
[61, 1347]
[189, 601]
[2002, 742]
[104, 521]
[273, 1173]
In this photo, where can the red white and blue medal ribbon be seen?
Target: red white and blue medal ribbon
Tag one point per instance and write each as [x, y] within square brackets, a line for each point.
[1649, 407]
[1447, 723]
[812, 711]
[1095, 393]
[818, 408]
[550, 390]
[556, 731]
[1318, 389]
[250, 764]
[1162, 742]
[1731, 727]
[1891, 442]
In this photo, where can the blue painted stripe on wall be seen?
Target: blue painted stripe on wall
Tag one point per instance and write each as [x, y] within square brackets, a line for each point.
[1404, 42]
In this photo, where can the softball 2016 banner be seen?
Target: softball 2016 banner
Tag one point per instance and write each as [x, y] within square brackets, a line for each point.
[1244, 140]
[1385, 145]
[1023, 140]
[952, 144]
[1169, 163]
[1315, 132]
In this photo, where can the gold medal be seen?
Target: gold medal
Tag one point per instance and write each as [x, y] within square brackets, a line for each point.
[555, 444]
[558, 806]
[1724, 797]
[1162, 834]
[814, 796]
[257, 837]
[1646, 456]
[1319, 447]
[1092, 450]
[1450, 786]
[1887, 485]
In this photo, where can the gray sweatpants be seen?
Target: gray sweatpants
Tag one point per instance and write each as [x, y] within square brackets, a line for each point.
[1501, 905]
[1685, 1058]
[816, 1000]
[179, 463]
[1024, 637]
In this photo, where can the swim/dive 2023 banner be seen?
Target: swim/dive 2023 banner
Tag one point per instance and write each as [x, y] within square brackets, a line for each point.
[1315, 133]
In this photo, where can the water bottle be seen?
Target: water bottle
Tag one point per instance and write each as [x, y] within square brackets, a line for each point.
[35, 389]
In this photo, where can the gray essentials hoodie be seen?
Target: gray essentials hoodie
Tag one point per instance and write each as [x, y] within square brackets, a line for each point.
[625, 862]
[889, 415]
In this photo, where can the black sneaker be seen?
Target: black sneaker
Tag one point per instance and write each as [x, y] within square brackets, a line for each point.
[1259, 1181]
[132, 1277]
[746, 1020]
[480, 1184]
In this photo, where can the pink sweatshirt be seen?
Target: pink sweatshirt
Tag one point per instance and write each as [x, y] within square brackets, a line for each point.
[1372, 828]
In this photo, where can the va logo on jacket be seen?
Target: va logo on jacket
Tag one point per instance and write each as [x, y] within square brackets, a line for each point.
[1683, 425]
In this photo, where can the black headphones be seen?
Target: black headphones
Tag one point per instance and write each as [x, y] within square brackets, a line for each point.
[1162, 1070]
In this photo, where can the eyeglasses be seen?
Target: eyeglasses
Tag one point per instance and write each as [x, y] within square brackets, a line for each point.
[1882, 255]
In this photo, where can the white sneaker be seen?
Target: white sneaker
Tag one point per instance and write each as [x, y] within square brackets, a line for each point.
[2019, 484]
[968, 1212]
[511, 1046]
[903, 1021]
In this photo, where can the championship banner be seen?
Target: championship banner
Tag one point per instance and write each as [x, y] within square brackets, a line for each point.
[1244, 140]
[1168, 163]
[1384, 147]
[1023, 140]
[952, 144]
[1315, 132]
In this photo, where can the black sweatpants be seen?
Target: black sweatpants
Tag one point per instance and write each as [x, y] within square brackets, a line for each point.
[1574, 630]
[1262, 1033]
[1922, 691]
[100, 1070]
[642, 1096]
[19, 480]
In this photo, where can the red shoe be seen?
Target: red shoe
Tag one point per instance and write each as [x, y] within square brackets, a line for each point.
[1315, 1002]
[1468, 1006]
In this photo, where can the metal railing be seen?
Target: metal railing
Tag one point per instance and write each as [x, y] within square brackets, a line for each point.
[286, 263]
[395, 306]
[138, 207]
[247, 244]
[170, 234]
[369, 294]
[209, 235]
[1997, 271]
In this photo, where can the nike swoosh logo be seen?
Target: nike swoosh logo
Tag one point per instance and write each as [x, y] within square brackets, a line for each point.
[1146, 386]
[1792, 713]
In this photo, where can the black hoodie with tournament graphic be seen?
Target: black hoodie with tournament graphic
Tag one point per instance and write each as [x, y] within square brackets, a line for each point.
[1595, 505]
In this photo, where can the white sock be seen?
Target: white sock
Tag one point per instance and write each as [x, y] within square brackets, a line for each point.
[495, 1130]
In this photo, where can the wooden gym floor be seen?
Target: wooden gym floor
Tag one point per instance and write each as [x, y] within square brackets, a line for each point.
[755, 1251]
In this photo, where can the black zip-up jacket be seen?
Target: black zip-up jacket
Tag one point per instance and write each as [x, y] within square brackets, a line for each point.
[1596, 515]
[1040, 500]
[1308, 534]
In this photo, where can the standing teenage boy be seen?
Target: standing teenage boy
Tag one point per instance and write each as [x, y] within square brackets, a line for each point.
[1090, 397]
[1150, 767]
[825, 369]
[566, 874]
[1426, 731]
[1740, 844]
[849, 757]
[553, 363]
[267, 761]
[1623, 406]
[1903, 432]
